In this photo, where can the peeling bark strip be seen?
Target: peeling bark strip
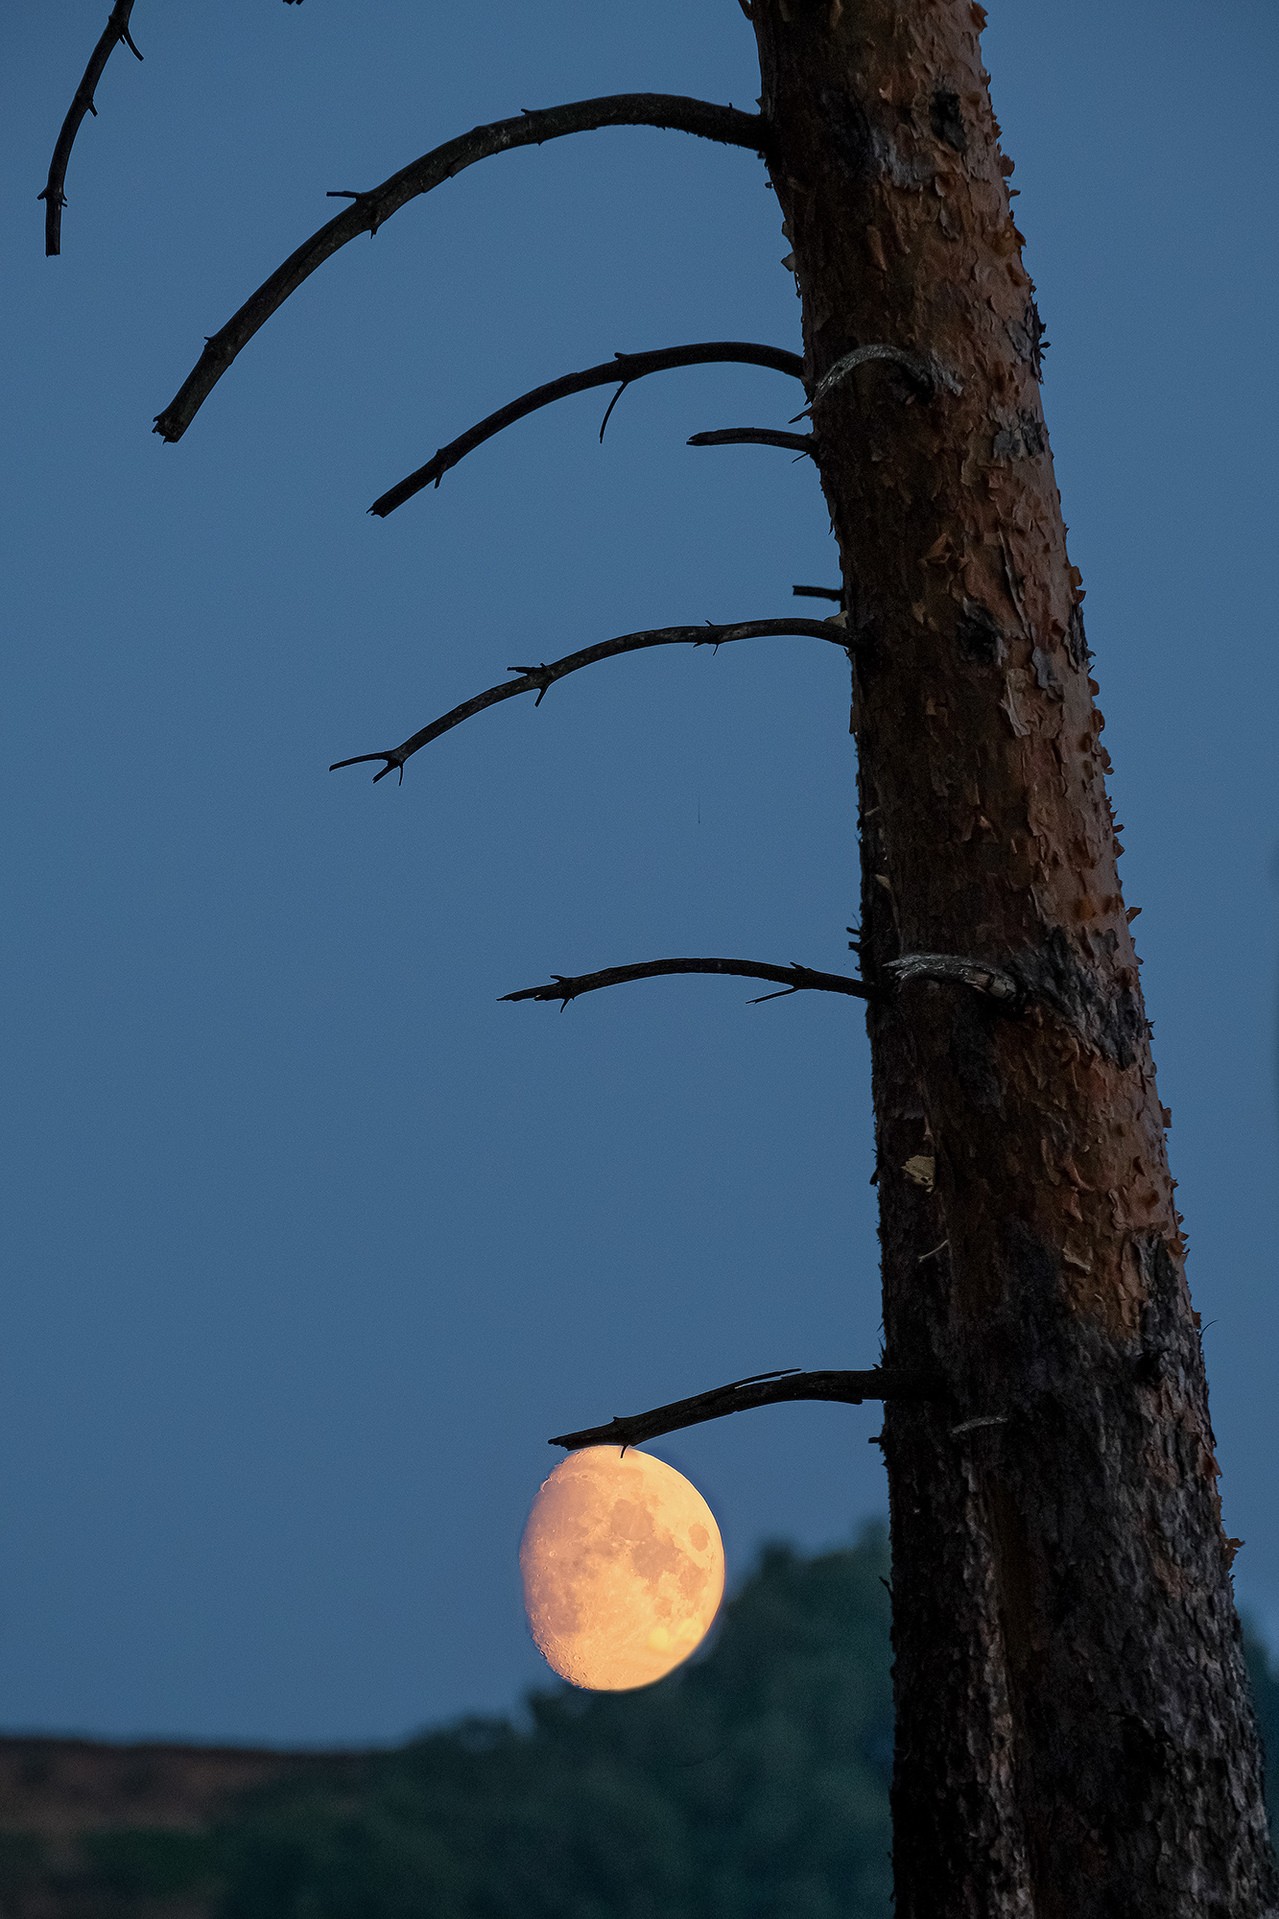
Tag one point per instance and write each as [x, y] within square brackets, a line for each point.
[368, 211]
[1074, 1737]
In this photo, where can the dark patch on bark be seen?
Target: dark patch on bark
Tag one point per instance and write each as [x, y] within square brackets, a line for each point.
[1029, 1352]
[1162, 1342]
[1080, 651]
[1021, 437]
[1033, 1310]
[1113, 1022]
[947, 120]
[1027, 336]
[973, 1058]
[848, 130]
[978, 633]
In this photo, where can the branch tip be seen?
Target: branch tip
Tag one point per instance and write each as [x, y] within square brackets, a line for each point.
[537, 679]
[82, 101]
[393, 759]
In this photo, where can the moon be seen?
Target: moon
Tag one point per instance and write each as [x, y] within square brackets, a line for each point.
[623, 1568]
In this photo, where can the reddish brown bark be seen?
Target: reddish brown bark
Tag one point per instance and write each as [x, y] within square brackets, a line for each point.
[1074, 1735]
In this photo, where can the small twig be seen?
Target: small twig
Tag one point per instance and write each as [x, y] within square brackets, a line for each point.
[622, 368]
[926, 372]
[373, 209]
[754, 436]
[835, 593]
[972, 1425]
[54, 194]
[536, 679]
[792, 979]
[948, 969]
[359, 197]
[608, 411]
[765, 1389]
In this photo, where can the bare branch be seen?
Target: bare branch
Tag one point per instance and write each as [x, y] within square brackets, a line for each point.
[950, 969]
[54, 194]
[792, 979]
[371, 210]
[754, 436]
[621, 369]
[536, 679]
[763, 1389]
[835, 593]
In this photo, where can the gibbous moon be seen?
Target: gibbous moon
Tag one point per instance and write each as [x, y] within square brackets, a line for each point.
[623, 1568]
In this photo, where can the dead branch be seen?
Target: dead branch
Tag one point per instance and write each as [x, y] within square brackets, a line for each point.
[754, 436]
[621, 370]
[370, 210]
[54, 194]
[791, 979]
[536, 679]
[762, 1389]
[835, 593]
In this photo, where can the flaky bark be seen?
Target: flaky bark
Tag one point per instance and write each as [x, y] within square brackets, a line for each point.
[1074, 1737]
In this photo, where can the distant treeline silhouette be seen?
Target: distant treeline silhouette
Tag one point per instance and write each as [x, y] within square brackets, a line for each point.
[752, 1783]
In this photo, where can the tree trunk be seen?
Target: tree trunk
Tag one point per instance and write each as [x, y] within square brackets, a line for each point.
[1074, 1734]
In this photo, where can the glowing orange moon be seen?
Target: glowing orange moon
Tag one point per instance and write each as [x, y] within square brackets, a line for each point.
[623, 1568]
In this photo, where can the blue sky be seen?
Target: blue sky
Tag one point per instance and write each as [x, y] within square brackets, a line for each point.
[312, 1242]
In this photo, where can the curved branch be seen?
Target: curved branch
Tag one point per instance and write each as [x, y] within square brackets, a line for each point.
[792, 979]
[754, 436]
[536, 679]
[620, 370]
[54, 195]
[368, 211]
[763, 1389]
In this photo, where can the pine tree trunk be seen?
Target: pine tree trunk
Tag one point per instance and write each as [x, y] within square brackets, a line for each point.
[1074, 1734]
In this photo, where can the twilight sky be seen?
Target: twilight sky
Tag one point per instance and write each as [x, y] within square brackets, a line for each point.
[311, 1242]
